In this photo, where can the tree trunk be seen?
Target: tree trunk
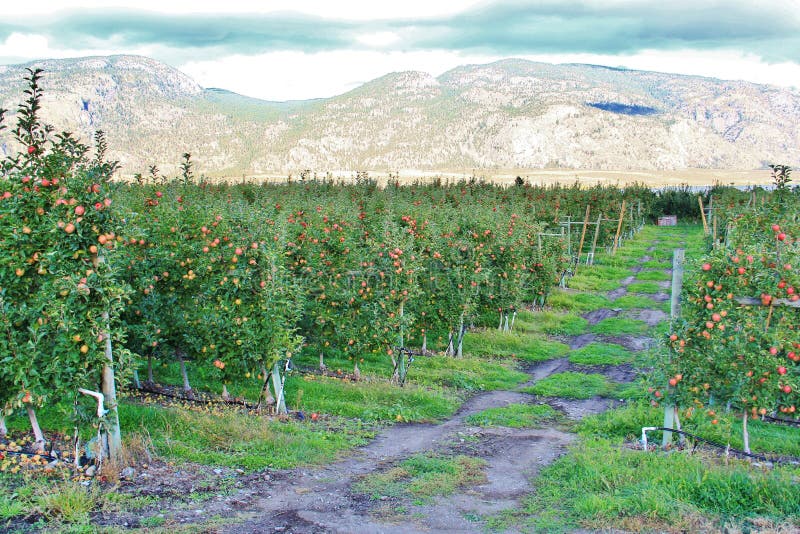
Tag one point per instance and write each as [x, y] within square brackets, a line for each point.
[356, 373]
[745, 434]
[425, 343]
[225, 394]
[461, 330]
[396, 369]
[76, 441]
[3, 429]
[322, 366]
[136, 383]
[450, 350]
[186, 386]
[150, 369]
[109, 388]
[37, 431]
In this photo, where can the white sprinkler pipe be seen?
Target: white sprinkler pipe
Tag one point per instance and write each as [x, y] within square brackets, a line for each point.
[646, 429]
[101, 412]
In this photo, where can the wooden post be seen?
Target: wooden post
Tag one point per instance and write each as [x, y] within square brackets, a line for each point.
[674, 312]
[678, 257]
[714, 227]
[583, 235]
[703, 214]
[569, 236]
[590, 258]
[619, 228]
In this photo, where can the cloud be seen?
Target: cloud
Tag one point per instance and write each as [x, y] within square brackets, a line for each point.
[771, 30]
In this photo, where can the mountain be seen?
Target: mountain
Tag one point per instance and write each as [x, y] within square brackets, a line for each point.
[508, 114]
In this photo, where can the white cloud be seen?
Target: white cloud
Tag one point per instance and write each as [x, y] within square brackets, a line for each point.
[378, 39]
[295, 75]
[349, 9]
[25, 45]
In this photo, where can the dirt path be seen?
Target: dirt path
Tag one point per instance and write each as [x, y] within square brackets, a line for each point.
[321, 499]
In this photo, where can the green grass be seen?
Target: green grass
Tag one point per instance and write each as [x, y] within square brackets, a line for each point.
[493, 343]
[422, 477]
[547, 322]
[621, 261]
[11, 505]
[584, 282]
[468, 373]
[600, 354]
[572, 385]
[644, 287]
[369, 401]
[619, 326]
[628, 302]
[653, 276]
[516, 416]
[623, 489]
[577, 302]
[657, 264]
[625, 423]
[236, 440]
[65, 505]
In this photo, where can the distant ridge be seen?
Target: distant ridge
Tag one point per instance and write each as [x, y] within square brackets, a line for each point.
[508, 114]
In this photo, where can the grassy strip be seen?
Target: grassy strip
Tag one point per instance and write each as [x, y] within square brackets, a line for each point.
[628, 302]
[619, 326]
[422, 477]
[577, 302]
[64, 505]
[572, 385]
[644, 287]
[368, 401]
[600, 354]
[626, 423]
[516, 416]
[494, 343]
[653, 276]
[235, 440]
[468, 374]
[589, 282]
[547, 322]
[657, 264]
[634, 491]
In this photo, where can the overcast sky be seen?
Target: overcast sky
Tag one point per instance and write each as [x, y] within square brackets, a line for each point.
[296, 49]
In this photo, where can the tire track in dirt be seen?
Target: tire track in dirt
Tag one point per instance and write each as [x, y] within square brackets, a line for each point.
[322, 500]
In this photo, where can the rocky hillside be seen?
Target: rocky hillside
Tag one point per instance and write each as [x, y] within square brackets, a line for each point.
[508, 114]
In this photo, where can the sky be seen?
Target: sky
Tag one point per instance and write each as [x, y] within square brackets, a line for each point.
[299, 49]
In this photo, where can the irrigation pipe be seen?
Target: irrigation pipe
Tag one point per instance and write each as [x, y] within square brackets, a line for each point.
[728, 450]
[781, 421]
